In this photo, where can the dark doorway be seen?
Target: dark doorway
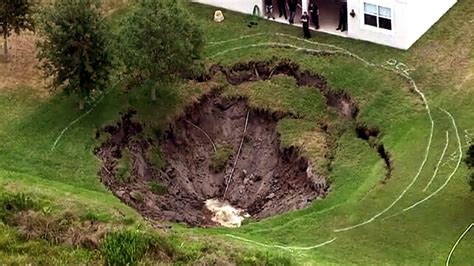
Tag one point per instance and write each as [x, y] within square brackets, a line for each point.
[328, 14]
[282, 19]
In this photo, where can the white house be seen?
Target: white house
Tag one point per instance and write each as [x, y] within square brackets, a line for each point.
[395, 23]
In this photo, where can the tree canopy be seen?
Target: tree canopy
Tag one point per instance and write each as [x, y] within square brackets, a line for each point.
[159, 42]
[74, 48]
[15, 16]
[470, 164]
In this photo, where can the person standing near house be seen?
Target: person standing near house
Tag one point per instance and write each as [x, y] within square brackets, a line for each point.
[292, 4]
[282, 8]
[269, 9]
[305, 21]
[314, 12]
[342, 18]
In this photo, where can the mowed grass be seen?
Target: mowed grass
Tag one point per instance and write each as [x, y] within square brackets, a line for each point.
[443, 63]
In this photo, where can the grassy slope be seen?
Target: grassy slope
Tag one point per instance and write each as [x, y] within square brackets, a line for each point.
[424, 235]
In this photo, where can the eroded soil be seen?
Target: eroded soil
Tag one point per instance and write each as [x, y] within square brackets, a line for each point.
[264, 70]
[258, 176]
[372, 136]
[267, 180]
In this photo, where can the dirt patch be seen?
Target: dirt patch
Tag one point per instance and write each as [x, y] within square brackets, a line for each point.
[22, 68]
[372, 136]
[264, 70]
[264, 180]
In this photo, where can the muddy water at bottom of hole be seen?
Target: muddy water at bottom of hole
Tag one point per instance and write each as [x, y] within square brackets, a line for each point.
[224, 214]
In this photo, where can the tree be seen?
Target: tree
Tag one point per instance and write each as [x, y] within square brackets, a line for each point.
[15, 16]
[470, 156]
[74, 49]
[470, 164]
[159, 42]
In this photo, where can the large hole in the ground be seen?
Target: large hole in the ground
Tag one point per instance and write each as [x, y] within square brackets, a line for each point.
[220, 149]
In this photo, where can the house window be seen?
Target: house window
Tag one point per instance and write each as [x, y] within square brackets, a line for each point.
[378, 16]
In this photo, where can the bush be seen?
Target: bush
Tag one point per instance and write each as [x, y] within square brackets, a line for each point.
[12, 203]
[470, 157]
[124, 167]
[156, 158]
[471, 181]
[137, 196]
[94, 217]
[17, 202]
[157, 188]
[220, 159]
[470, 163]
[124, 247]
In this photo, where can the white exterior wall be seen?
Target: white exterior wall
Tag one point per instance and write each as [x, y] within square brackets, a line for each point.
[424, 14]
[242, 6]
[397, 37]
[410, 18]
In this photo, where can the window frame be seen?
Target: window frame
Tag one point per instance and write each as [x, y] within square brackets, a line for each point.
[377, 16]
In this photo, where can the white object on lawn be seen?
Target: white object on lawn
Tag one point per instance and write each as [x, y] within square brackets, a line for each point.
[218, 16]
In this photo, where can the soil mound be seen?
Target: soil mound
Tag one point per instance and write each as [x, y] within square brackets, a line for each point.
[263, 70]
[220, 148]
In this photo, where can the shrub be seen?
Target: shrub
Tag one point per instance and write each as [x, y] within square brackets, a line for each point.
[157, 188]
[17, 202]
[156, 158]
[220, 159]
[64, 229]
[128, 220]
[471, 181]
[470, 163]
[124, 247]
[137, 196]
[12, 203]
[94, 217]
[470, 157]
[124, 167]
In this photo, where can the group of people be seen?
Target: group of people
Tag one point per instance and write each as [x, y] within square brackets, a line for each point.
[282, 6]
[313, 15]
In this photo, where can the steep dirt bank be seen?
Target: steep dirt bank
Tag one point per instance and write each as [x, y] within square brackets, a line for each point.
[266, 180]
[264, 70]
[339, 101]
[372, 136]
[223, 149]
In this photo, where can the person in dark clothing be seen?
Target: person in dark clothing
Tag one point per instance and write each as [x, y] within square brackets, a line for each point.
[292, 4]
[342, 18]
[314, 12]
[269, 9]
[305, 21]
[282, 8]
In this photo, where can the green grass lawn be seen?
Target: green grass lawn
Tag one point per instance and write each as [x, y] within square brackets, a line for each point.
[443, 60]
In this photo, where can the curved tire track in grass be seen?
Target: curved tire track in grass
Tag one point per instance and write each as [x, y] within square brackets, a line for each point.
[439, 163]
[287, 248]
[82, 116]
[447, 179]
[74, 122]
[448, 259]
[346, 52]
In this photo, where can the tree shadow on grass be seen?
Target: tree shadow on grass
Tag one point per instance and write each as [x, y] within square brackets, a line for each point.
[28, 139]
